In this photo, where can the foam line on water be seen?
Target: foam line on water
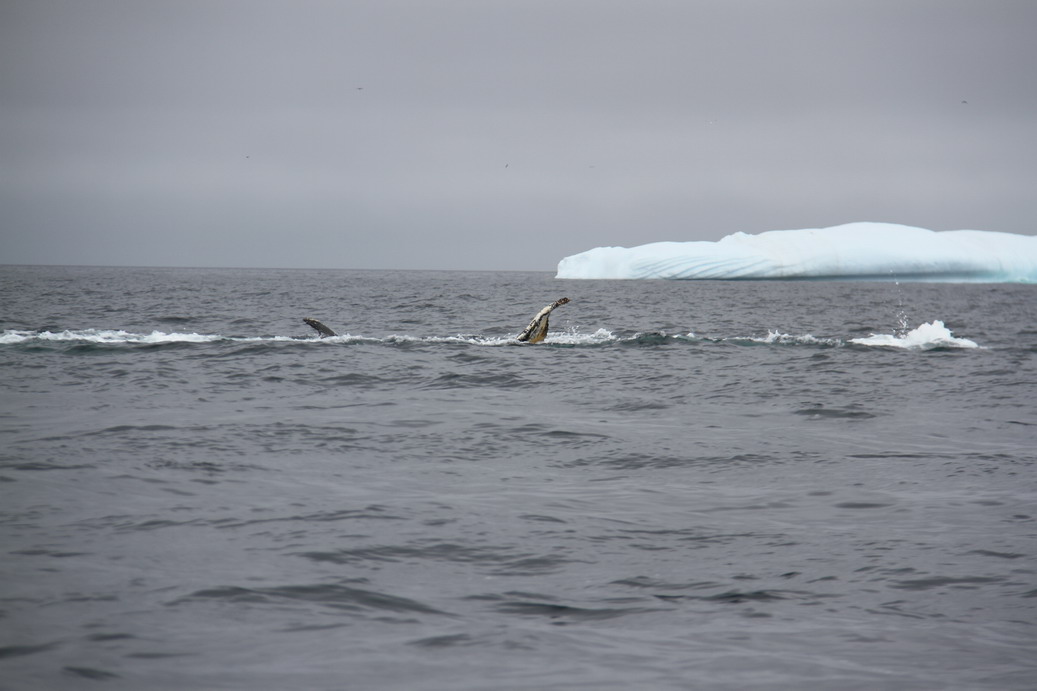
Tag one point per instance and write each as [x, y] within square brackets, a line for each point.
[925, 337]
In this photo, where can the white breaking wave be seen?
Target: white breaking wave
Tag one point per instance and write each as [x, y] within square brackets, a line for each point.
[874, 251]
[925, 337]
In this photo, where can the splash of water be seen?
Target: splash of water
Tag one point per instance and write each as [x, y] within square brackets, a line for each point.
[925, 337]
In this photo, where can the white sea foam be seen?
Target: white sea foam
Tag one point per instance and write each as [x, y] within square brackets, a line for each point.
[573, 337]
[119, 336]
[115, 336]
[459, 338]
[795, 339]
[112, 336]
[567, 337]
[874, 251]
[12, 336]
[926, 337]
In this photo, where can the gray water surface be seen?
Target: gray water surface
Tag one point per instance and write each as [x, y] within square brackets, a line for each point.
[690, 485]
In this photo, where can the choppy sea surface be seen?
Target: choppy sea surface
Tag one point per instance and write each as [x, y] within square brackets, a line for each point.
[689, 485]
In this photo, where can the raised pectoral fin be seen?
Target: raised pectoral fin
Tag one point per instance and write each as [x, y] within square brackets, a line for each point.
[319, 327]
[537, 329]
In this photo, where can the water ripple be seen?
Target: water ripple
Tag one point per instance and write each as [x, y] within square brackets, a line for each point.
[326, 594]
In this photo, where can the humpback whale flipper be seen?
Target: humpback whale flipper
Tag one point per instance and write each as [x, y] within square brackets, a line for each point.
[319, 326]
[537, 329]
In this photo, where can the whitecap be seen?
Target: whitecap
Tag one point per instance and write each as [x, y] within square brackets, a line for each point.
[12, 336]
[926, 337]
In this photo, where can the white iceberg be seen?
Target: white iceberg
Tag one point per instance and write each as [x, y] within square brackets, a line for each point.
[862, 251]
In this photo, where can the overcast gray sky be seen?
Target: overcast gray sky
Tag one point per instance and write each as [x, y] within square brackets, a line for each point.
[500, 134]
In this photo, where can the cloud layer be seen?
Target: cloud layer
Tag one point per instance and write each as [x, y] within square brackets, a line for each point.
[474, 135]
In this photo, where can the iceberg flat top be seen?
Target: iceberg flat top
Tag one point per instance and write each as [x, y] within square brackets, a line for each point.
[863, 251]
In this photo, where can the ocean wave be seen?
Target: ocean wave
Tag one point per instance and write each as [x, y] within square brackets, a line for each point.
[927, 336]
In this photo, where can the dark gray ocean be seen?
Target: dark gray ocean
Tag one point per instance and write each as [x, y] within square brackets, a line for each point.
[689, 485]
